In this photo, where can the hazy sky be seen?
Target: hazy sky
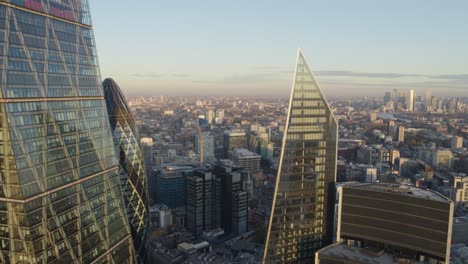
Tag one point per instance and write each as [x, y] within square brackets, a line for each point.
[241, 47]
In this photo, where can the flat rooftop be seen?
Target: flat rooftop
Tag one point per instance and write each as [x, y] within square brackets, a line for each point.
[244, 153]
[234, 133]
[400, 189]
[356, 255]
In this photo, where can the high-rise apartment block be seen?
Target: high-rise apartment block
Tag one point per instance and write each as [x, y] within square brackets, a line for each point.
[60, 190]
[132, 170]
[301, 219]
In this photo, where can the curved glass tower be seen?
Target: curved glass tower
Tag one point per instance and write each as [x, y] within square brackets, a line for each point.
[60, 197]
[301, 219]
[131, 167]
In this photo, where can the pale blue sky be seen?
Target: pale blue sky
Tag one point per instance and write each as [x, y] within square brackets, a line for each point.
[249, 46]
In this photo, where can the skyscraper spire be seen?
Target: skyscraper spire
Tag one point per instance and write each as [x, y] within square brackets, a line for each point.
[301, 219]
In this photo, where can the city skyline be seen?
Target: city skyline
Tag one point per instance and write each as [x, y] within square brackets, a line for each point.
[362, 48]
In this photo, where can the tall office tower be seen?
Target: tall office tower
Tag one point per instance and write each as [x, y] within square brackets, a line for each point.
[132, 170]
[302, 213]
[209, 116]
[388, 223]
[395, 96]
[199, 202]
[230, 200]
[208, 146]
[234, 139]
[410, 101]
[401, 134]
[60, 197]
[428, 99]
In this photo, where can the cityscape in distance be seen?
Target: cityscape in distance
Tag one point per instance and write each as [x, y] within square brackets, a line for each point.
[233, 132]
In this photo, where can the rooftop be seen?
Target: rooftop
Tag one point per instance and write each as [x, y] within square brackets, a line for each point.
[233, 133]
[356, 255]
[244, 153]
[399, 189]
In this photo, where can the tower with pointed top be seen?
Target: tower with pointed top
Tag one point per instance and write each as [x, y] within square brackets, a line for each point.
[60, 197]
[132, 170]
[301, 220]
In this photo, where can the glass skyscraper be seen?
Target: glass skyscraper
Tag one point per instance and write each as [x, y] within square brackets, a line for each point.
[60, 193]
[301, 220]
[131, 167]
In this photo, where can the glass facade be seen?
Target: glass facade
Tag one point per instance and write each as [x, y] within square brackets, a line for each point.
[60, 198]
[131, 167]
[300, 223]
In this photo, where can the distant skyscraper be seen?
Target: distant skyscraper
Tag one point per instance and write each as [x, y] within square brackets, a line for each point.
[302, 214]
[401, 134]
[410, 101]
[131, 167]
[387, 97]
[60, 194]
[209, 116]
[428, 98]
[208, 146]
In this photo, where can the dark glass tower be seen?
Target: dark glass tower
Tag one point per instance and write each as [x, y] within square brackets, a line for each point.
[131, 167]
[60, 197]
[300, 222]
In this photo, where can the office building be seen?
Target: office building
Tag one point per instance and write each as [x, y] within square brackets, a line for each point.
[391, 128]
[200, 202]
[387, 97]
[170, 185]
[230, 200]
[442, 158]
[208, 146]
[401, 134]
[60, 193]
[209, 116]
[132, 170]
[405, 223]
[410, 101]
[246, 159]
[461, 189]
[457, 142]
[301, 219]
[234, 139]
